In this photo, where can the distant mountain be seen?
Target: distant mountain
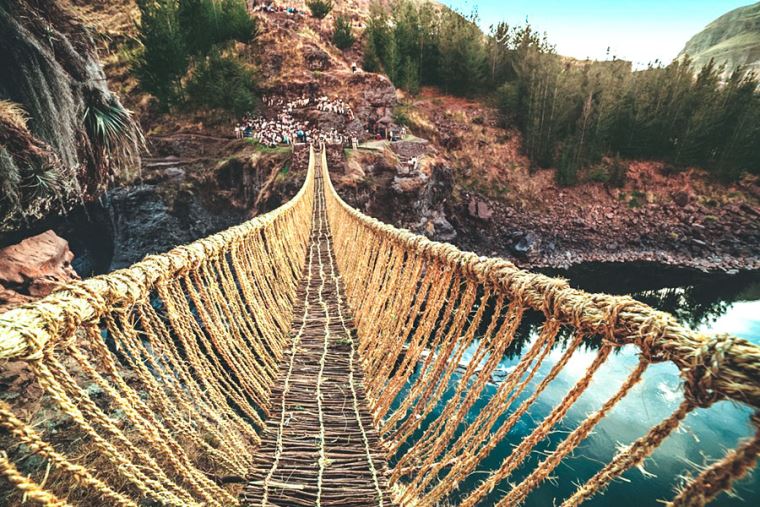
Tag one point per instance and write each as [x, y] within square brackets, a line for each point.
[733, 39]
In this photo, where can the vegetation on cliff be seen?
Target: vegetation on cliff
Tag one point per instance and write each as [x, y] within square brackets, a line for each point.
[319, 8]
[186, 55]
[572, 113]
[343, 36]
[63, 134]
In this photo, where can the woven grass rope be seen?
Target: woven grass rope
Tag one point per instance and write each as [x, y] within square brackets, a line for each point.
[162, 372]
[418, 305]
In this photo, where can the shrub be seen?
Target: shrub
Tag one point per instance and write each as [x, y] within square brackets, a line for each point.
[222, 83]
[163, 60]
[618, 172]
[319, 8]
[343, 36]
[567, 171]
[400, 116]
[507, 98]
[174, 34]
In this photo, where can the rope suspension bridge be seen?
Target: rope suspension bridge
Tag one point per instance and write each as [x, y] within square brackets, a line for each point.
[309, 357]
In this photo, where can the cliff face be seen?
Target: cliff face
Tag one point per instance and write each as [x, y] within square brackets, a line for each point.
[63, 134]
[733, 39]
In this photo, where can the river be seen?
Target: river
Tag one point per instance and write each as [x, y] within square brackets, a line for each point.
[708, 303]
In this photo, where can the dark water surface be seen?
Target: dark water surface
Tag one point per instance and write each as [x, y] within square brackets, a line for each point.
[708, 303]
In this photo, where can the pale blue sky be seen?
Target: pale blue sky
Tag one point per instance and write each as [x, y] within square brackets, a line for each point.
[639, 30]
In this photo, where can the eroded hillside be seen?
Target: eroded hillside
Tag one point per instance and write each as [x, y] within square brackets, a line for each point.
[471, 183]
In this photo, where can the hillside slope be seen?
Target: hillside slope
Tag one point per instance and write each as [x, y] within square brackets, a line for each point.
[471, 183]
[733, 39]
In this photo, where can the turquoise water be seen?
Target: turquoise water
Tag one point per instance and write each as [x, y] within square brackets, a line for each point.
[713, 304]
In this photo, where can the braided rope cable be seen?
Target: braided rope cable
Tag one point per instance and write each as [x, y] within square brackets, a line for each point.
[163, 368]
[408, 293]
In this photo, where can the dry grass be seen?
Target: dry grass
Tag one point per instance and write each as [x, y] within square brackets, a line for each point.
[14, 114]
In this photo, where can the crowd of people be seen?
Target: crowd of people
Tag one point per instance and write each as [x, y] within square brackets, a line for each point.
[284, 129]
[324, 104]
[270, 7]
[335, 106]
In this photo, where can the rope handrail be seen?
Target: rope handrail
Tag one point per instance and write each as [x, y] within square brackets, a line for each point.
[733, 364]
[164, 370]
[161, 372]
[26, 329]
[419, 305]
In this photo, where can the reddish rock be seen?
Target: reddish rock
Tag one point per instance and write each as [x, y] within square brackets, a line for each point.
[34, 268]
[480, 209]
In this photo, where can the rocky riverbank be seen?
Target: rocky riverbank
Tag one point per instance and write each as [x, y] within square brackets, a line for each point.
[591, 223]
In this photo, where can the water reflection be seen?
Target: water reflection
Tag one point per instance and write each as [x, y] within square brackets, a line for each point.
[717, 303]
[695, 298]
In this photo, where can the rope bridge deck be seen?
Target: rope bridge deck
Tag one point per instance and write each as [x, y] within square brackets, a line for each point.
[315, 356]
[320, 447]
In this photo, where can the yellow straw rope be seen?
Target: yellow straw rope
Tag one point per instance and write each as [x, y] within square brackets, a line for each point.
[418, 304]
[164, 370]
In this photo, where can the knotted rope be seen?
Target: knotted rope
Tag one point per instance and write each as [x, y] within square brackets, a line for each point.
[163, 370]
[419, 304]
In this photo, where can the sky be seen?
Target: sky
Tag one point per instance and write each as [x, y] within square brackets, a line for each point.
[637, 30]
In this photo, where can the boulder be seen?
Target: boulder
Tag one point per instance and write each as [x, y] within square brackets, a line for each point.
[527, 245]
[436, 226]
[444, 231]
[413, 184]
[479, 209]
[34, 268]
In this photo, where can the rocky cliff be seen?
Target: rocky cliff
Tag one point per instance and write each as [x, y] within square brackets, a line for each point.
[732, 40]
[63, 134]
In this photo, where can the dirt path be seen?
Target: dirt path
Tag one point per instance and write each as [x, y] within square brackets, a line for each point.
[320, 447]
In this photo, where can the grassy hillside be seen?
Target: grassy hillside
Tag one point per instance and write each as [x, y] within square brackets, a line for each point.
[733, 39]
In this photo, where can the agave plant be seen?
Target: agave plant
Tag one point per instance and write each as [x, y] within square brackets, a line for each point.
[108, 125]
[115, 138]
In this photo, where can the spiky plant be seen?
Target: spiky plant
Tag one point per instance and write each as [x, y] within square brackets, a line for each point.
[13, 114]
[107, 125]
[115, 140]
[30, 173]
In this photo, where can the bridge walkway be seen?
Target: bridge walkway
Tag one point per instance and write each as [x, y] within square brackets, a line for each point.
[320, 446]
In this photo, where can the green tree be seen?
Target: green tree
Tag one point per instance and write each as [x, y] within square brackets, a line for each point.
[572, 114]
[343, 36]
[320, 8]
[162, 60]
[378, 39]
[411, 77]
[219, 82]
[208, 23]
[180, 35]
[462, 54]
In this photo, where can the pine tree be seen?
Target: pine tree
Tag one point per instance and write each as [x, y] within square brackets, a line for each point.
[378, 38]
[320, 8]
[163, 59]
[343, 36]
